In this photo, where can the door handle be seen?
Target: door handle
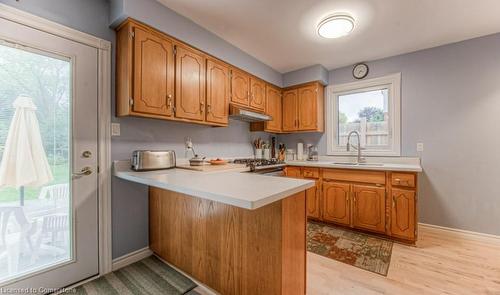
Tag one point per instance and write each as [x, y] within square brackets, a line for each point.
[85, 171]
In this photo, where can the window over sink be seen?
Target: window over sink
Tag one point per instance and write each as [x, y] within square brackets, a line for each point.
[372, 108]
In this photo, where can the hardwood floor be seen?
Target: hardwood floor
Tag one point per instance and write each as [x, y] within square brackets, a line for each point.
[443, 262]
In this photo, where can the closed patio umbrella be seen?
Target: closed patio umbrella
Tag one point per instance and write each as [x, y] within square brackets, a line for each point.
[24, 162]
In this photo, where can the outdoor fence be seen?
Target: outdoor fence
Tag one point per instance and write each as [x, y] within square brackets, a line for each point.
[371, 133]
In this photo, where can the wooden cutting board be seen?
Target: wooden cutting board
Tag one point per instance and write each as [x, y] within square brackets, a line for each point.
[209, 167]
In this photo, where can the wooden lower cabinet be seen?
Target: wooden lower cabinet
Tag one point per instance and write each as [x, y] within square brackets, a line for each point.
[336, 202]
[313, 202]
[294, 172]
[403, 220]
[368, 208]
[374, 201]
[230, 249]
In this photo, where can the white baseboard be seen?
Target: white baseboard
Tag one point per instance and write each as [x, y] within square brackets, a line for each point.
[459, 232]
[131, 258]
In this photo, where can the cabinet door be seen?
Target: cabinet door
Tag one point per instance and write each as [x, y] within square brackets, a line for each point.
[290, 110]
[369, 208]
[257, 94]
[403, 214]
[308, 108]
[240, 87]
[190, 84]
[217, 92]
[273, 108]
[313, 201]
[293, 172]
[336, 207]
[153, 74]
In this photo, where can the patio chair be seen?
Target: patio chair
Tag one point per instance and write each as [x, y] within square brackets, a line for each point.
[13, 236]
[52, 227]
[57, 194]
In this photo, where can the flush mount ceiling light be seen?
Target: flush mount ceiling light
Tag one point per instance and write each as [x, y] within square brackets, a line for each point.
[336, 26]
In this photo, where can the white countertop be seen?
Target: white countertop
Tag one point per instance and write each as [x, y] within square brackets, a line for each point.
[387, 164]
[233, 187]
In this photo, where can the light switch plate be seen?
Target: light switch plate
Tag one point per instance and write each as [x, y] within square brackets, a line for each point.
[115, 129]
[420, 146]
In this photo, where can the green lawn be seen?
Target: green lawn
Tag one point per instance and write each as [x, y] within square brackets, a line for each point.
[60, 173]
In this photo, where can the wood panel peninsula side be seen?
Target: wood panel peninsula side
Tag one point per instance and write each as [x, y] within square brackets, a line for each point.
[237, 233]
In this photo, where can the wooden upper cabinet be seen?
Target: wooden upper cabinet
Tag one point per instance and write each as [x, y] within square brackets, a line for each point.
[369, 207]
[336, 206]
[403, 214]
[218, 91]
[153, 74]
[190, 84]
[257, 94]
[303, 108]
[307, 108]
[289, 108]
[273, 109]
[313, 205]
[240, 87]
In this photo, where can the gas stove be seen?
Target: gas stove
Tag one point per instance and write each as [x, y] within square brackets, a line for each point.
[262, 166]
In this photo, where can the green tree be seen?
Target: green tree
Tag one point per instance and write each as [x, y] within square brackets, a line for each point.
[372, 114]
[47, 81]
[343, 118]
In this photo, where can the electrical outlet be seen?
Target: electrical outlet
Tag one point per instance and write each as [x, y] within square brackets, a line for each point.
[115, 129]
[420, 146]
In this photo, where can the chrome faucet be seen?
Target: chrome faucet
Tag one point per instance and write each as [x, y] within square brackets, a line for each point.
[358, 148]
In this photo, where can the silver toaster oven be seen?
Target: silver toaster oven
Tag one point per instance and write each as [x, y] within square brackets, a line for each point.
[144, 160]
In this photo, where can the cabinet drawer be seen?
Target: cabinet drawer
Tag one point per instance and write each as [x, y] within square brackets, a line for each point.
[376, 177]
[403, 179]
[292, 171]
[311, 172]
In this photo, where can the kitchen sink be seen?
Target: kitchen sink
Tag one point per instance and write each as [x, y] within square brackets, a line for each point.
[358, 164]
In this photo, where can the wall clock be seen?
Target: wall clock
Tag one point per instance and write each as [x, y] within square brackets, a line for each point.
[359, 71]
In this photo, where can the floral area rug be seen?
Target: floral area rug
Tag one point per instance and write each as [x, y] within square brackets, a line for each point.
[355, 248]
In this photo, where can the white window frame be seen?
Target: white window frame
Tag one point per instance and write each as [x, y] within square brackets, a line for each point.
[391, 82]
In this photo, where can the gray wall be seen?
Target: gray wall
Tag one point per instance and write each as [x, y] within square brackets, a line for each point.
[89, 16]
[451, 103]
[308, 74]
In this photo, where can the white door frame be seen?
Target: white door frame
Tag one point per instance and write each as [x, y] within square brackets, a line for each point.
[104, 117]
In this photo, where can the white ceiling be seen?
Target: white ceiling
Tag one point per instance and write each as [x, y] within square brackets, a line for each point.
[282, 33]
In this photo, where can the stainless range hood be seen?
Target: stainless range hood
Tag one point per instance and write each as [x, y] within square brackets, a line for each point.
[238, 113]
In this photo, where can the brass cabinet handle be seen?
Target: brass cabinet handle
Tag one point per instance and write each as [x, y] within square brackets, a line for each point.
[209, 108]
[169, 101]
[401, 181]
[202, 104]
[394, 202]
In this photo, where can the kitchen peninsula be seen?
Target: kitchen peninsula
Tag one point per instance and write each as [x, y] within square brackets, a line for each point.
[236, 232]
